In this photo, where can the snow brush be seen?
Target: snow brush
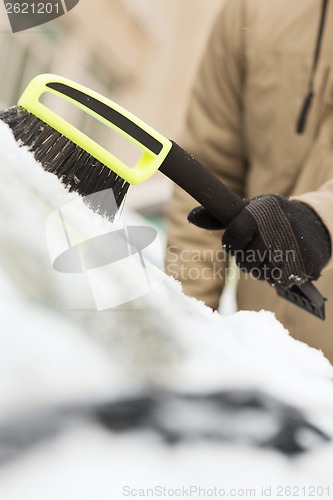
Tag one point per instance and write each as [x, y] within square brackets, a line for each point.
[86, 167]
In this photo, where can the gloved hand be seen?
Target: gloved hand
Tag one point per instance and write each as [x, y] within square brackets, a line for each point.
[279, 240]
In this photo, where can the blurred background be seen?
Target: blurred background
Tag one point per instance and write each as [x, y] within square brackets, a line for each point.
[141, 53]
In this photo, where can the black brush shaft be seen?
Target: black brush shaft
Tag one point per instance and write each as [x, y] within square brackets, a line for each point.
[188, 173]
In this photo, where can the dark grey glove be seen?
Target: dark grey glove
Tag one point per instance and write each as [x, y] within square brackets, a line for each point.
[279, 240]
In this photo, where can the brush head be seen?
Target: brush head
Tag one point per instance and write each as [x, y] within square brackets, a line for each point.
[76, 168]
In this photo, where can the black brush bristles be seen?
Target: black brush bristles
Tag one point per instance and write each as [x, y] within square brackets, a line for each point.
[77, 169]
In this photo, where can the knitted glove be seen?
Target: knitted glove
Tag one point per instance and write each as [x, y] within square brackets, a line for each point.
[278, 240]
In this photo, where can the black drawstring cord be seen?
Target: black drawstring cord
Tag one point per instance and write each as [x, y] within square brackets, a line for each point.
[301, 122]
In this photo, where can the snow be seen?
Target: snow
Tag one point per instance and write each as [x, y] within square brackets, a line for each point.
[56, 349]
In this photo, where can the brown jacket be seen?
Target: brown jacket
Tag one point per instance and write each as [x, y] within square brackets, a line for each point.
[241, 124]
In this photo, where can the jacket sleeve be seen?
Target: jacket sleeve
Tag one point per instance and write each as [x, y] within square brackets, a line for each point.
[314, 185]
[214, 134]
[322, 202]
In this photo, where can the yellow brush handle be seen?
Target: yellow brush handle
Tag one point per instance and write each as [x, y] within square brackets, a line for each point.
[153, 145]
